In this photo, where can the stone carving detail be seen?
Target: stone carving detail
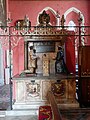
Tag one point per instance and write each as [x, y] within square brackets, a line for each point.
[44, 19]
[46, 86]
[46, 65]
[33, 89]
[58, 88]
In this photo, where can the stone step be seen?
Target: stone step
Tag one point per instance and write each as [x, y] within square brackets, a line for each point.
[2, 113]
[22, 112]
[30, 106]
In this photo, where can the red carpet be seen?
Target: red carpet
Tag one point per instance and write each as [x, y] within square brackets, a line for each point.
[45, 113]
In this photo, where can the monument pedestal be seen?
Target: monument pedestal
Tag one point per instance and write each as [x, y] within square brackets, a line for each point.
[31, 92]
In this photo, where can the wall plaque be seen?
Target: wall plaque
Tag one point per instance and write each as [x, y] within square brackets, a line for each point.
[45, 46]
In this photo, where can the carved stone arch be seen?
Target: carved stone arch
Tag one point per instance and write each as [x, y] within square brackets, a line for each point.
[73, 9]
[53, 13]
[77, 11]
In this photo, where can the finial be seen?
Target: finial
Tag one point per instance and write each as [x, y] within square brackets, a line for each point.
[62, 21]
[80, 18]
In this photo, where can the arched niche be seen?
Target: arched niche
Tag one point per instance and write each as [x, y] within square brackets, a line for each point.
[52, 14]
[74, 11]
[72, 16]
[71, 25]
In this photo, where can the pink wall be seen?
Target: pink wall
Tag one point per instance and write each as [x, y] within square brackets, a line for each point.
[72, 16]
[18, 58]
[19, 9]
[32, 8]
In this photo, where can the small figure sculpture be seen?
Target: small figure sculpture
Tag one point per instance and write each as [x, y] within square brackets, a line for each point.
[32, 60]
[62, 21]
[60, 66]
[26, 23]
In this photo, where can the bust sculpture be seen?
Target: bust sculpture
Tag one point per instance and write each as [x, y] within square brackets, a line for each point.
[44, 19]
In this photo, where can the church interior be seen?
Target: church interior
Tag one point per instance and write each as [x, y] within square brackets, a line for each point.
[44, 59]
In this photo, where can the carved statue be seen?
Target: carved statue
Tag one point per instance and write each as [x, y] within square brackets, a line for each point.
[32, 60]
[44, 19]
[62, 21]
[60, 66]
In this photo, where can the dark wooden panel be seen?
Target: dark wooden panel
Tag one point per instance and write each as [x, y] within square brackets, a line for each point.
[85, 60]
[84, 72]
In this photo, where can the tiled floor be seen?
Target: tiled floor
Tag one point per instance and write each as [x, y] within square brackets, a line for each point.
[4, 97]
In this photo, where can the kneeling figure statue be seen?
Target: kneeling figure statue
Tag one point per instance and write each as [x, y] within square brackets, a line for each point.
[60, 66]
